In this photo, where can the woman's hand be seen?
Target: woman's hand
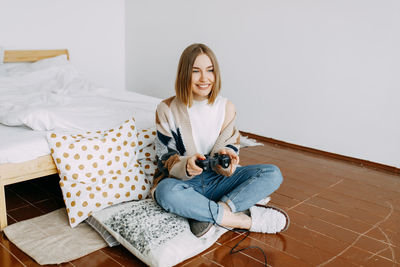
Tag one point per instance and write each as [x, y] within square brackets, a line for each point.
[191, 167]
[234, 162]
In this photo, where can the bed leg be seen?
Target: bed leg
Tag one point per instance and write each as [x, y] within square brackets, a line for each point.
[3, 210]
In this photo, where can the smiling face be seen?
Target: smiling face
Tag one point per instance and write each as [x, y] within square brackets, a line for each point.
[198, 76]
[203, 77]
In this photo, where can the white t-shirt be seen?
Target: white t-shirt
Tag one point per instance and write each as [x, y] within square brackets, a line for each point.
[206, 121]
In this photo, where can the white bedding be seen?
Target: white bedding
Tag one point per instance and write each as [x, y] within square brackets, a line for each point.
[18, 144]
[58, 97]
[52, 95]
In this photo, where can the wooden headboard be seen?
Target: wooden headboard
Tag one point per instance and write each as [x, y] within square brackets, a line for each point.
[31, 55]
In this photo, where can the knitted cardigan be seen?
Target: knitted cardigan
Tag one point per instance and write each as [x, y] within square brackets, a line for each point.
[175, 144]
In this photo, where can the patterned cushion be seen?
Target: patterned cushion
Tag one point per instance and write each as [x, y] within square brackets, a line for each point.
[156, 237]
[147, 151]
[98, 169]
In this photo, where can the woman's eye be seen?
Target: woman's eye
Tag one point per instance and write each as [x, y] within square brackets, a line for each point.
[211, 70]
[195, 71]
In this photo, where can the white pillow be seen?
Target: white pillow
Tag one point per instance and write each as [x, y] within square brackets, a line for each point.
[60, 60]
[22, 68]
[98, 169]
[156, 237]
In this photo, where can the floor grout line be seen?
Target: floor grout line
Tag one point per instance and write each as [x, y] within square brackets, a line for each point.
[283, 251]
[12, 254]
[368, 201]
[301, 202]
[337, 240]
[360, 248]
[358, 238]
[202, 256]
[390, 243]
[110, 257]
[43, 200]
[251, 257]
[376, 253]
[12, 217]
[326, 209]
[44, 211]
[316, 194]
[24, 206]
[234, 253]
[347, 229]
[341, 214]
[28, 200]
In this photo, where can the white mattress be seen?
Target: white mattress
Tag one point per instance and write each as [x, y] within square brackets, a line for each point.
[20, 143]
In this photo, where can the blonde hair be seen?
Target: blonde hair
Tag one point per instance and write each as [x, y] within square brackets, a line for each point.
[183, 83]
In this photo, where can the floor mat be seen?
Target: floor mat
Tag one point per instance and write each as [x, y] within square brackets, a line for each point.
[49, 239]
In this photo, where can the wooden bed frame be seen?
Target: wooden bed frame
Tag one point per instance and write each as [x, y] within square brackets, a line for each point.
[11, 173]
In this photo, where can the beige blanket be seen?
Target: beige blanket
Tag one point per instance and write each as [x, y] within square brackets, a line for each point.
[49, 239]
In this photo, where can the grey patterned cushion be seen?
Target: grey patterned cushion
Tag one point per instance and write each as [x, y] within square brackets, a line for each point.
[110, 240]
[156, 237]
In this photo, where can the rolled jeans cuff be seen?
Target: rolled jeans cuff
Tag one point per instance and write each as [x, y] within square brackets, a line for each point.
[220, 214]
[229, 203]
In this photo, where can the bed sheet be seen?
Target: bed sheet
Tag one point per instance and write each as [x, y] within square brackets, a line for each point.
[20, 143]
[51, 94]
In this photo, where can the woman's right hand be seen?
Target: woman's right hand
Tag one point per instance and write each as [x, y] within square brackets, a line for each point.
[191, 168]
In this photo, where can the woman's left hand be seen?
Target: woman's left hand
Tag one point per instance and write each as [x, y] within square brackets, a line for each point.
[234, 162]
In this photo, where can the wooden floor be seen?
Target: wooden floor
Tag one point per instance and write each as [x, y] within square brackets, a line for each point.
[341, 215]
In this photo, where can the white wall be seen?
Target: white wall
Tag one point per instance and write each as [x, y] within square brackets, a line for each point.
[321, 74]
[92, 30]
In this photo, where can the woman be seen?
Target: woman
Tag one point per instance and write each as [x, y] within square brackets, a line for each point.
[198, 122]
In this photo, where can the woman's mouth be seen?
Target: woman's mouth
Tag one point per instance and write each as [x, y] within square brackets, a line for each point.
[203, 86]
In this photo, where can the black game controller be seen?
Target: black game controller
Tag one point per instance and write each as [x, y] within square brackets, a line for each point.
[209, 163]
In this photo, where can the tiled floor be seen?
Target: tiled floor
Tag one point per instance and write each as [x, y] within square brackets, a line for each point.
[341, 215]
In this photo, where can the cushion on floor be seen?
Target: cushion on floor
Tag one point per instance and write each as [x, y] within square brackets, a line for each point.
[156, 237]
[98, 169]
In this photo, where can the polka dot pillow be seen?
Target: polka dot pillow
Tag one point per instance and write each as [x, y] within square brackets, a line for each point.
[98, 169]
[147, 151]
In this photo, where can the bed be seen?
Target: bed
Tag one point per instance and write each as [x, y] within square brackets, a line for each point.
[24, 153]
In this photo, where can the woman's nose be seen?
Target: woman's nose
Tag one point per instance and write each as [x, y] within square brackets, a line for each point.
[203, 76]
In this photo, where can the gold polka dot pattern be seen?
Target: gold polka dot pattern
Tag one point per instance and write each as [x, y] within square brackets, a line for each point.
[98, 170]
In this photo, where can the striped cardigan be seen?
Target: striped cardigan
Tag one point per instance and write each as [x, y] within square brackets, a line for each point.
[175, 144]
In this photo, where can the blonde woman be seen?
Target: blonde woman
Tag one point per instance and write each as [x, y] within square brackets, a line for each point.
[196, 122]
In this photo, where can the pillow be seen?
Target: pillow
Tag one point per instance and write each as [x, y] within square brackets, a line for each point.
[60, 60]
[147, 151]
[108, 238]
[22, 68]
[156, 237]
[146, 157]
[98, 169]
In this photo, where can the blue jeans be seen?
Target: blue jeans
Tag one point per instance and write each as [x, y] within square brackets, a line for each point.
[197, 198]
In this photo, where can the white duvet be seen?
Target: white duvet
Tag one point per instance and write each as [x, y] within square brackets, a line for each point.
[52, 95]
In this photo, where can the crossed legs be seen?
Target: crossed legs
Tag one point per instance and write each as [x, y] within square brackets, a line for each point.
[210, 197]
